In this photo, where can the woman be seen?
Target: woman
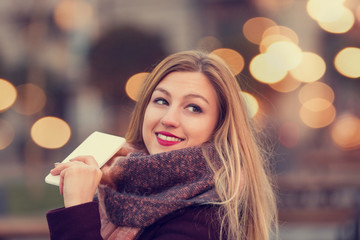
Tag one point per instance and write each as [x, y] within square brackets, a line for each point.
[199, 173]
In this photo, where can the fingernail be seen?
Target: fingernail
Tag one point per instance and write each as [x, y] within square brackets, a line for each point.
[57, 163]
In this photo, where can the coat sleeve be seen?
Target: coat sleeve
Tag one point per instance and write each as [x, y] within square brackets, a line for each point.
[77, 222]
[198, 223]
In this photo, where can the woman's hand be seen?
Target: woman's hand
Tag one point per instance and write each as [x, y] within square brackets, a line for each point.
[79, 179]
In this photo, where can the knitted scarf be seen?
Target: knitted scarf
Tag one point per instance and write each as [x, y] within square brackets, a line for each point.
[144, 188]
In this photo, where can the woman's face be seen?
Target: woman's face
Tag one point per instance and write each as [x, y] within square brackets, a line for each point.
[182, 112]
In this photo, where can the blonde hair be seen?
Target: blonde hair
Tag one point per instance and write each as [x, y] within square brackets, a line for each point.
[247, 201]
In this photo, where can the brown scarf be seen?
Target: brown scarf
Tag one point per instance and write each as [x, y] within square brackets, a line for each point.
[144, 188]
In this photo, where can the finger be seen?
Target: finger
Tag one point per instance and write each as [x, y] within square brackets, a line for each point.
[62, 180]
[61, 184]
[89, 160]
[60, 167]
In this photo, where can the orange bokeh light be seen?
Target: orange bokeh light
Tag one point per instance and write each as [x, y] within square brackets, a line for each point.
[262, 70]
[346, 132]
[8, 94]
[347, 62]
[281, 31]
[325, 10]
[317, 119]
[340, 25]
[287, 84]
[316, 90]
[317, 104]
[284, 55]
[357, 13]
[254, 28]
[269, 40]
[50, 132]
[31, 99]
[233, 59]
[134, 84]
[251, 104]
[311, 68]
[73, 14]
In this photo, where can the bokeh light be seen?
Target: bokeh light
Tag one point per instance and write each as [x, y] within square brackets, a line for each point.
[289, 134]
[340, 25]
[325, 10]
[209, 43]
[7, 134]
[347, 62]
[251, 104]
[311, 68]
[73, 14]
[269, 40]
[233, 59]
[317, 110]
[254, 28]
[316, 90]
[317, 104]
[287, 84]
[31, 99]
[281, 31]
[8, 94]
[134, 84]
[284, 55]
[345, 132]
[317, 119]
[50, 132]
[277, 34]
[262, 70]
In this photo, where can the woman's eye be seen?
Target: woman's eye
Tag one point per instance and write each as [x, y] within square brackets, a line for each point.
[194, 108]
[160, 101]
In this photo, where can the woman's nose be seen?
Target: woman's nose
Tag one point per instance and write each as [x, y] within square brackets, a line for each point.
[171, 118]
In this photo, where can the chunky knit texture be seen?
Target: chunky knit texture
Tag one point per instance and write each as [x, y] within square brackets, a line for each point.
[144, 188]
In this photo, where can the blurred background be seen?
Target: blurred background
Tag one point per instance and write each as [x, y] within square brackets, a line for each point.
[71, 67]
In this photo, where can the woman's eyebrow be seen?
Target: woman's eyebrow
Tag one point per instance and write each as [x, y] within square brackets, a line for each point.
[191, 95]
[197, 96]
[162, 90]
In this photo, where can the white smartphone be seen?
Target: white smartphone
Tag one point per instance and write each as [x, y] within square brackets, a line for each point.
[101, 146]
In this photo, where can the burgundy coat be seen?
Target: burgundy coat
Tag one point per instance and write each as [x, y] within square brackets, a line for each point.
[83, 222]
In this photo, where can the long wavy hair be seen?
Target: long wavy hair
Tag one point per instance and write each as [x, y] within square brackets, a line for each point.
[247, 200]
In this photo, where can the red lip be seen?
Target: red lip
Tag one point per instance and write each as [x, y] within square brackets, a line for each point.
[167, 134]
[164, 142]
